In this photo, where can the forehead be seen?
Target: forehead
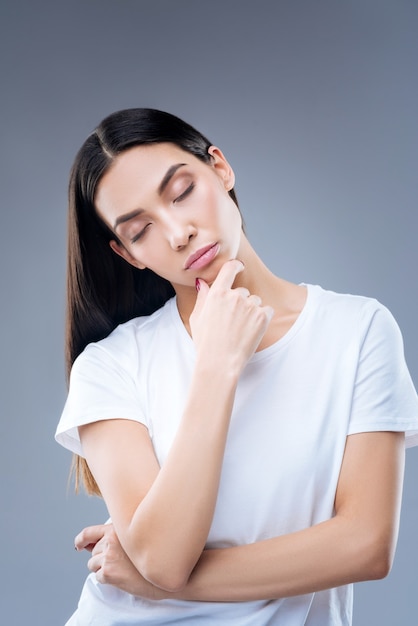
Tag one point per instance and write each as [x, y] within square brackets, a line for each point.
[135, 173]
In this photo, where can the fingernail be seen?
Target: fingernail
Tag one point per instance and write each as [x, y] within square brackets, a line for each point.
[197, 283]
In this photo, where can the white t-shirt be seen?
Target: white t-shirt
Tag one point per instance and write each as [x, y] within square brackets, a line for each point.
[339, 370]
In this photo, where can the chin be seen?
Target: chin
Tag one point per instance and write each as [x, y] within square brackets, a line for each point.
[210, 276]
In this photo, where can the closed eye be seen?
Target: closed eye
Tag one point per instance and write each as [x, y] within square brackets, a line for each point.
[139, 235]
[185, 193]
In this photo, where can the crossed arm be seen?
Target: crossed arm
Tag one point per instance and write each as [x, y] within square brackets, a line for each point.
[357, 544]
[162, 517]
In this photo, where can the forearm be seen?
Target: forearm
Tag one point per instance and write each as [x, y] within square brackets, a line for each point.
[169, 528]
[357, 544]
[330, 554]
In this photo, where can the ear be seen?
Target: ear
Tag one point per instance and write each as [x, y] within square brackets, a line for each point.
[222, 167]
[120, 250]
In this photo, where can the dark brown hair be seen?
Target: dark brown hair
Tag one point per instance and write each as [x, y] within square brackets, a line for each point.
[103, 290]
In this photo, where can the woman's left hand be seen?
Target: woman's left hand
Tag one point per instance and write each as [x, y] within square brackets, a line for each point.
[111, 564]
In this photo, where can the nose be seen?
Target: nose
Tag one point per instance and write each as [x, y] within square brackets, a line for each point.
[179, 233]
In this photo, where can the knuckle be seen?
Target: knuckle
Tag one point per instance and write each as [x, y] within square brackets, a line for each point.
[99, 576]
[91, 565]
[260, 315]
[105, 573]
[111, 549]
[98, 547]
[232, 266]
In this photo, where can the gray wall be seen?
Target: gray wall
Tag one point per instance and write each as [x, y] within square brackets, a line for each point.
[315, 104]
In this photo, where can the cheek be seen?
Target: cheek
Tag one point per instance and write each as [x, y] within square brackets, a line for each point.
[155, 255]
[148, 256]
[216, 204]
[228, 214]
[204, 201]
[144, 254]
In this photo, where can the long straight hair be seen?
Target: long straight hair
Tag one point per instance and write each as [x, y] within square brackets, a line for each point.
[104, 290]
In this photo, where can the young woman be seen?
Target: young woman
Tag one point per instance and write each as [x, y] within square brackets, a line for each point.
[247, 434]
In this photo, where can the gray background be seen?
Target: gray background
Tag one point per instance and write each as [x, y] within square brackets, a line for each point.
[315, 104]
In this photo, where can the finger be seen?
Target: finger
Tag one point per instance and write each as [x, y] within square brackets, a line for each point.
[95, 563]
[269, 312]
[89, 536]
[243, 291]
[90, 547]
[227, 274]
[254, 299]
[100, 546]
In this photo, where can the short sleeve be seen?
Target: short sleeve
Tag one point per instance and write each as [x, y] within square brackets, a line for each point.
[384, 395]
[100, 388]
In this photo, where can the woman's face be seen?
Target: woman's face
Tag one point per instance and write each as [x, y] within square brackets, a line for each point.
[171, 212]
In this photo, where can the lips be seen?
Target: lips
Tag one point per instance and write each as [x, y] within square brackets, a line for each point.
[202, 257]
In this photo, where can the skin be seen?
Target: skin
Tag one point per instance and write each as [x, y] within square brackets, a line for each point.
[153, 548]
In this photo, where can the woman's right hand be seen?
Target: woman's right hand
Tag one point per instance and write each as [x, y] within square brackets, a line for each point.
[227, 323]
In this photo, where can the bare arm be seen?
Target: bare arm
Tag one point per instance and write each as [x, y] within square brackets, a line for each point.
[162, 517]
[357, 544]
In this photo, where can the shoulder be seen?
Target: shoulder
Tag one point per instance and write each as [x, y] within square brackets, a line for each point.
[127, 343]
[354, 311]
[342, 302]
[352, 322]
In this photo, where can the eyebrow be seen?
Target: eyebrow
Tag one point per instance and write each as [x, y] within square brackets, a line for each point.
[163, 184]
[168, 176]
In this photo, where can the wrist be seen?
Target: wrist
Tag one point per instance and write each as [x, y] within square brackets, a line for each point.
[218, 371]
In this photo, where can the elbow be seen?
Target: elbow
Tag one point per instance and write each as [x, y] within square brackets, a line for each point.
[376, 559]
[163, 574]
[167, 581]
[380, 565]
[162, 565]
